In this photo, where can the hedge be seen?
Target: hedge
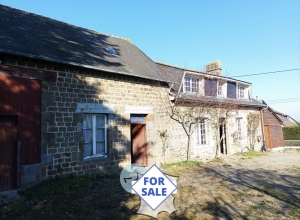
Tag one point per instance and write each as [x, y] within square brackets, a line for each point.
[291, 133]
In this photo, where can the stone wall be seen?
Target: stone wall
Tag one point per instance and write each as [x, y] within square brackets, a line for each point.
[76, 91]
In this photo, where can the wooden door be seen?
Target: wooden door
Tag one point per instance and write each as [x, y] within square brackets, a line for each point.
[138, 142]
[8, 152]
[267, 135]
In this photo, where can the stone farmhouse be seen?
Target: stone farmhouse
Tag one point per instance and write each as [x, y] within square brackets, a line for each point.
[75, 101]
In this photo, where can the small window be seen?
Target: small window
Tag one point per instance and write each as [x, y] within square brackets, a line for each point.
[94, 132]
[201, 132]
[239, 128]
[190, 84]
[241, 93]
[220, 88]
[231, 90]
[112, 51]
[138, 119]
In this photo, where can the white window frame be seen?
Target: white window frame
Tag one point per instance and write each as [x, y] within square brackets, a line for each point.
[201, 139]
[94, 136]
[191, 83]
[220, 90]
[241, 92]
[238, 122]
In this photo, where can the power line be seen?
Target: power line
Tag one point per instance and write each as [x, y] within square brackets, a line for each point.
[279, 71]
[282, 102]
[275, 101]
[283, 99]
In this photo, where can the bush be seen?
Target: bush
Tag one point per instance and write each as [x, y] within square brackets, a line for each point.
[291, 133]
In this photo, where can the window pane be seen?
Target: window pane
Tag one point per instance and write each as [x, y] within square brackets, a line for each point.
[203, 132]
[187, 84]
[87, 123]
[193, 84]
[211, 87]
[141, 119]
[100, 147]
[133, 119]
[88, 136]
[88, 149]
[100, 134]
[231, 90]
[241, 92]
[100, 121]
[137, 118]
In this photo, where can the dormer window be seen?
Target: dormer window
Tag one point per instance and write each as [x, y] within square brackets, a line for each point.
[190, 84]
[220, 88]
[241, 93]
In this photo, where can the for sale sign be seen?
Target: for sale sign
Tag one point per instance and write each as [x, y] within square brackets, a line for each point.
[154, 187]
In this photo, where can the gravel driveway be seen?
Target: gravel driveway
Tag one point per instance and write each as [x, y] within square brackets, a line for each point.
[266, 187]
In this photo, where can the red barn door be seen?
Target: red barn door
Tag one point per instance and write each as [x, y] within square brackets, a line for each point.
[8, 152]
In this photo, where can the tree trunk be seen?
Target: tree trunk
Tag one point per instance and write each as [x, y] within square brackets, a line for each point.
[188, 148]
[218, 141]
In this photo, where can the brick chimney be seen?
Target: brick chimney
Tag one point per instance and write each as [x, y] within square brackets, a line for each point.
[214, 68]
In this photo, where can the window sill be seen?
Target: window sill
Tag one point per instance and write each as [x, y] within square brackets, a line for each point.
[94, 159]
[201, 145]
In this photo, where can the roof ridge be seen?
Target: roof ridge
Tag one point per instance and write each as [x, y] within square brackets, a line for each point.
[65, 23]
[178, 67]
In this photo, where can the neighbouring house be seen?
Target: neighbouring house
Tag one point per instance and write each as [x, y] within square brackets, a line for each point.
[273, 135]
[287, 120]
[77, 101]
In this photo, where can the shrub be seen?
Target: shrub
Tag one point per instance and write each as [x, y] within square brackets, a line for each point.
[291, 133]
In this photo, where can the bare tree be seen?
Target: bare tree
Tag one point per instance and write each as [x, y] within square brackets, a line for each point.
[252, 127]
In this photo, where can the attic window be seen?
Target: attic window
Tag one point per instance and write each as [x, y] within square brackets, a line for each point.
[111, 51]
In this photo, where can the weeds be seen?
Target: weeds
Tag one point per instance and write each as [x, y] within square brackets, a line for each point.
[250, 154]
[183, 164]
[58, 185]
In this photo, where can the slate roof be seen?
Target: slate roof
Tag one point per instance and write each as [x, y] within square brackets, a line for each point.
[35, 36]
[175, 74]
[172, 74]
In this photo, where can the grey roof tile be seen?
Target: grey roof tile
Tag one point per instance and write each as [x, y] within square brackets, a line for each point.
[35, 36]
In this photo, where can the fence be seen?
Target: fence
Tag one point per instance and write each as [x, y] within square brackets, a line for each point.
[292, 143]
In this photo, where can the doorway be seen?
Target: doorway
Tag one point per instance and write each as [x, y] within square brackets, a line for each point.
[8, 152]
[138, 140]
[222, 132]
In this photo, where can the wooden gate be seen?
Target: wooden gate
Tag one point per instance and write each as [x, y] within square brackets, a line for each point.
[8, 152]
[138, 140]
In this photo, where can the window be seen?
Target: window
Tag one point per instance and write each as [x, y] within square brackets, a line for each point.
[138, 119]
[241, 92]
[190, 84]
[239, 128]
[231, 90]
[201, 133]
[112, 51]
[94, 132]
[220, 88]
[211, 87]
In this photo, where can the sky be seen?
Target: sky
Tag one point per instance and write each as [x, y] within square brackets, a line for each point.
[248, 37]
